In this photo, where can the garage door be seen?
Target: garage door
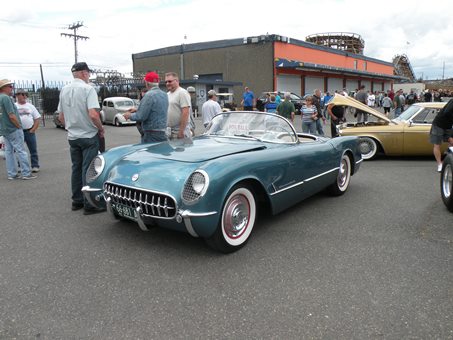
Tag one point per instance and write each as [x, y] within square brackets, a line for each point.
[387, 86]
[334, 84]
[367, 84]
[352, 85]
[313, 83]
[288, 83]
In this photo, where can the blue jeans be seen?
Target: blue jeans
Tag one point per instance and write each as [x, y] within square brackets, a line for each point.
[154, 136]
[319, 127]
[30, 140]
[15, 142]
[309, 127]
[82, 151]
[397, 112]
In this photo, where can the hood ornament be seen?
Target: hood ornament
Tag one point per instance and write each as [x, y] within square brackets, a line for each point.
[134, 177]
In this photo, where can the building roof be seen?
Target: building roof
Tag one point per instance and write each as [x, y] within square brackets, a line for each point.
[262, 39]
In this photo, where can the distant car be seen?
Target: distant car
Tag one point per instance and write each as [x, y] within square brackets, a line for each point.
[214, 185]
[297, 100]
[446, 180]
[2, 147]
[406, 135]
[113, 109]
[56, 120]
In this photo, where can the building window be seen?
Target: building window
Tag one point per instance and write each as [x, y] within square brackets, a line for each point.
[364, 65]
[355, 64]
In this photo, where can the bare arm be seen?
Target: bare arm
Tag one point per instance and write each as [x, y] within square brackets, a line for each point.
[35, 126]
[61, 117]
[184, 121]
[94, 115]
[14, 120]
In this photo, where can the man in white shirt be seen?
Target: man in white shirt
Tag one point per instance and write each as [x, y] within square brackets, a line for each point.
[210, 108]
[178, 108]
[29, 117]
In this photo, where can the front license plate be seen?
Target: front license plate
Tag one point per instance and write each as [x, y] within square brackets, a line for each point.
[125, 211]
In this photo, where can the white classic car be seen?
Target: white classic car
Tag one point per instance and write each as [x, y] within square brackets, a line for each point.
[113, 109]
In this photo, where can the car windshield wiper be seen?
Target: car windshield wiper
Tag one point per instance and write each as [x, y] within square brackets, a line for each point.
[247, 136]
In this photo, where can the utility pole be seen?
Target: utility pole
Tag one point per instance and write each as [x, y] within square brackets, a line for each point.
[76, 37]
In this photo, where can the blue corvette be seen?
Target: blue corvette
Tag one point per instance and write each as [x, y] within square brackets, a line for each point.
[214, 185]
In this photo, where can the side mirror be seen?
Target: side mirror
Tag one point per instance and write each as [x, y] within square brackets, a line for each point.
[411, 122]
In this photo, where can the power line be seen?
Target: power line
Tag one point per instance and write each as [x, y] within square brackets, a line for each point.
[76, 37]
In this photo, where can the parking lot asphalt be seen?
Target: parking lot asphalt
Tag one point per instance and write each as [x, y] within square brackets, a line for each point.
[376, 263]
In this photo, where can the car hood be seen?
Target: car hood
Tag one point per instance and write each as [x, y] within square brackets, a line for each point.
[338, 99]
[192, 151]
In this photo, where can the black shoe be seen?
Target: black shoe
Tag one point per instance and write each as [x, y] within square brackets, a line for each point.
[93, 211]
[76, 206]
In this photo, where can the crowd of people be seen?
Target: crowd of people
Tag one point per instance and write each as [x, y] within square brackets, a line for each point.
[163, 116]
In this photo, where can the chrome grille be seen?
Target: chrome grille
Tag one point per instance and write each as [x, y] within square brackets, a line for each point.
[152, 204]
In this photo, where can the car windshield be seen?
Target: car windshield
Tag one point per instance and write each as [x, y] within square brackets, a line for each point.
[250, 125]
[125, 103]
[408, 113]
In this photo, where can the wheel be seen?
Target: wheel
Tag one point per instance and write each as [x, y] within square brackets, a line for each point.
[446, 182]
[236, 221]
[368, 147]
[116, 122]
[343, 178]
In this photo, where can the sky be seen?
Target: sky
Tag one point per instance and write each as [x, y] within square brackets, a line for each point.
[30, 31]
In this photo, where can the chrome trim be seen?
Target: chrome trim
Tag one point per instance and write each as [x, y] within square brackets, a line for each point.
[302, 182]
[359, 161]
[140, 222]
[203, 192]
[87, 190]
[187, 214]
[102, 168]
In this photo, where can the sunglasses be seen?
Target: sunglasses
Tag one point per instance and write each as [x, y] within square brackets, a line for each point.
[169, 81]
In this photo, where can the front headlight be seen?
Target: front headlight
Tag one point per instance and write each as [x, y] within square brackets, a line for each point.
[195, 186]
[95, 169]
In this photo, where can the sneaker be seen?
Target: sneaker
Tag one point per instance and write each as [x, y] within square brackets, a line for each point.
[35, 169]
[17, 176]
[30, 177]
[439, 167]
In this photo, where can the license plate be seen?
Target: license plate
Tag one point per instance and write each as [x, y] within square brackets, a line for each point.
[125, 211]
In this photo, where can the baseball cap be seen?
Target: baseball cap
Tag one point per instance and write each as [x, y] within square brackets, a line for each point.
[151, 77]
[212, 93]
[191, 89]
[82, 66]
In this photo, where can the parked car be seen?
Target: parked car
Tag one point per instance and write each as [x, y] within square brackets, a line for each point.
[446, 180]
[407, 135]
[2, 147]
[113, 109]
[297, 100]
[214, 185]
[56, 120]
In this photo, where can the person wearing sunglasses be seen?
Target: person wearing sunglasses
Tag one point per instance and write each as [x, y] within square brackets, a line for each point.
[178, 108]
[29, 117]
[11, 129]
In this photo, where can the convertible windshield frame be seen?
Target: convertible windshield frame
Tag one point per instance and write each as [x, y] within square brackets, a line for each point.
[252, 126]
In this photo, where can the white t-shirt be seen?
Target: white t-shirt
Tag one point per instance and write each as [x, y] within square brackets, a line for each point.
[209, 110]
[371, 99]
[176, 101]
[28, 114]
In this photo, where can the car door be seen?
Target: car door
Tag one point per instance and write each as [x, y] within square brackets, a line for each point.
[416, 132]
[109, 111]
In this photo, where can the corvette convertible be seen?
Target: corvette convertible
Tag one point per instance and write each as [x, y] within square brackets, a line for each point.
[407, 135]
[214, 186]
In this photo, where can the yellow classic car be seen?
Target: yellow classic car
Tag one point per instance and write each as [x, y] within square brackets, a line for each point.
[407, 135]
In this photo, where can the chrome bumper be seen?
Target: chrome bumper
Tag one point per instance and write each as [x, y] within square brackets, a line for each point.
[88, 191]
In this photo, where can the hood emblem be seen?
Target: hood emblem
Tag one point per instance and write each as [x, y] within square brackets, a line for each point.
[134, 177]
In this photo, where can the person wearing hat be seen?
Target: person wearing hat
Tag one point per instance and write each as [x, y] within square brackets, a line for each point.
[152, 111]
[29, 117]
[11, 129]
[210, 108]
[78, 112]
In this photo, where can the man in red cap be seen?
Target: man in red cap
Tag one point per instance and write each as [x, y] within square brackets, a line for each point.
[152, 111]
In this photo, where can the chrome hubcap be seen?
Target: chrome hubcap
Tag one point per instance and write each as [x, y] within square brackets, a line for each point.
[237, 216]
[343, 174]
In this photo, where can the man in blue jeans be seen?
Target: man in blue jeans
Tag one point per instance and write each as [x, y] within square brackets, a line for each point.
[78, 110]
[248, 99]
[11, 129]
[29, 118]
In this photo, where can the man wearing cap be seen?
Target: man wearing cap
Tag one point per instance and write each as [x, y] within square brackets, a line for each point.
[178, 108]
[11, 129]
[78, 111]
[210, 108]
[29, 117]
[152, 111]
